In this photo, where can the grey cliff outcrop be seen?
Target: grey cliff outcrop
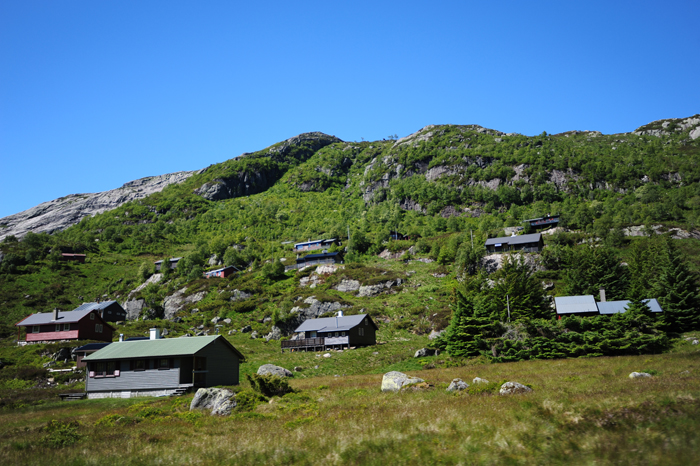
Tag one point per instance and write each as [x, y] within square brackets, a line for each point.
[66, 211]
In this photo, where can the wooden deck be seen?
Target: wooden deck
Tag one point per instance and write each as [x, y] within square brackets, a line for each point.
[315, 344]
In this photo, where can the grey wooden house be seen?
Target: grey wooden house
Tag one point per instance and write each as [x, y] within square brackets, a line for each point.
[157, 367]
[523, 243]
[334, 332]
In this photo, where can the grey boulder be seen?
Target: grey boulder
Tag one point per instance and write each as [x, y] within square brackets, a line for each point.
[639, 375]
[424, 352]
[220, 401]
[395, 381]
[457, 385]
[514, 388]
[271, 369]
[479, 380]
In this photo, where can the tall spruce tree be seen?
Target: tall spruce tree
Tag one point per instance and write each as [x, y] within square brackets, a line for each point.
[677, 291]
[592, 267]
[643, 268]
[517, 288]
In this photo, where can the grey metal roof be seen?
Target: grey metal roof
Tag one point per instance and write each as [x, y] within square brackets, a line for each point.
[163, 347]
[47, 318]
[613, 307]
[512, 240]
[333, 324]
[575, 304]
[618, 307]
[94, 306]
[91, 347]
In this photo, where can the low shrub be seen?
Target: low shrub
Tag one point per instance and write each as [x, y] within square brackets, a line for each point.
[60, 434]
[269, 385]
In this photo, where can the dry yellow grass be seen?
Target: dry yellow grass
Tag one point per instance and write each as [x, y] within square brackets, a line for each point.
[582, 411]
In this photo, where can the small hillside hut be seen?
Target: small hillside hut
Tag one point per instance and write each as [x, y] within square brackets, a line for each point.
[322, 258]
[161, 366]
[172, 263]
[619, 307]
[86, 324]
[85, 350]
[110, 311]
[73, 257]
[313, 245]
[221, 273]
[334, 332]
[543, 222]
[523, 243]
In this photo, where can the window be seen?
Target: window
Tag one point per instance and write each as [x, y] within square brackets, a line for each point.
[336, 334]
[99, 369]
[361, 332]
[109, 369]
[139, 365]
[342, 334]
[58, 327]
[35, 329]
[98, 328]
[164, 363]
[66, 327]
[92, 316]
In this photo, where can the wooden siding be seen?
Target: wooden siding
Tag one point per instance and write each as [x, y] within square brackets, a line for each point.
[51, 335]
[222, 364]
[149, 379]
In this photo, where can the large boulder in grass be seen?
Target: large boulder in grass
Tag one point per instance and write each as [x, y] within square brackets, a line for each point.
[639, 375]
[396, 381]
[271, 369]
[457, 385]
[514, 388]
[220, 401]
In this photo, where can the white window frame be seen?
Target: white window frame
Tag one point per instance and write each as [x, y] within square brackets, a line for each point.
[92, 316]
[66, 327]
[36, 329]
[58, 327]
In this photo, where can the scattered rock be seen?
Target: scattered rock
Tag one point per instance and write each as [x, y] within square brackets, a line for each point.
[327, 355]
[514, 388]
[479, 380]
[425, 352]
[348, 286]
[275, 334]
[396, 381]
[373, 290]
[227, 321]
[247, 329]
[134, 307]
[298, 368]
[238, 295]
[694, 342]
[216, 320]
[457, 385]
[435, 334]
[231, 332]
[254, 335]
[267, 319]
[63, 354]
[177, 301]
[271, 369]
[219, 400]
[639, 375]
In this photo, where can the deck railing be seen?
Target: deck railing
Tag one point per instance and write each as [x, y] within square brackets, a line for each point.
[303, 343]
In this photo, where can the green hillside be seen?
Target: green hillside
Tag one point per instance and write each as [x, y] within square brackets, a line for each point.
[447, 186]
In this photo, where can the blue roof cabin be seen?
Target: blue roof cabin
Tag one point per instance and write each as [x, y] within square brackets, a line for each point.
[313, 245]
[543, 222]
[524, 243]
[587, 306]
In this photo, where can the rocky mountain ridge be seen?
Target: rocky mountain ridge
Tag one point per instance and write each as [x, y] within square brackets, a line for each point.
[65, 211]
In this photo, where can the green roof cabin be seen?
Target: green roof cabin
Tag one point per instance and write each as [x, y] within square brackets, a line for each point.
[161, 366]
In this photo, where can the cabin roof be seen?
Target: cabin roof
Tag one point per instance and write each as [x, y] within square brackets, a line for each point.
[64, 317]
[314, 242]
[575, 304]
[92, 347]
[512, 240]
[163, 347]
[618, 307]
[94, 306]
[333, 324]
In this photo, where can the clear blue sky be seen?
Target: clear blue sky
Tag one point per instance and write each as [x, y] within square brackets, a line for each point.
[97, 93]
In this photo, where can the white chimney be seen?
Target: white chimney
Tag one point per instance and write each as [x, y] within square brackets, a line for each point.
[155, 334]
[55, 313]
[121, 337]
[602, 295]
[340, 313]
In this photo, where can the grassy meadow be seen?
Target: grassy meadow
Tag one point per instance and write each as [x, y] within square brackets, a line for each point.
[582, 411]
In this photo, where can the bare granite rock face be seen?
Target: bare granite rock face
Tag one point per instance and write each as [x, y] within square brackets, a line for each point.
[66, 211]
[220, 401]
[177, 301]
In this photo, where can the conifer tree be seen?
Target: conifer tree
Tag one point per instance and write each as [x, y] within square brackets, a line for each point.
[677, 292]
[464, 336]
